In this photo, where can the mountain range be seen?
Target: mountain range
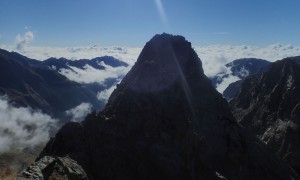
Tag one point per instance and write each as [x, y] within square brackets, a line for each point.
[165, 120]
[42, 84]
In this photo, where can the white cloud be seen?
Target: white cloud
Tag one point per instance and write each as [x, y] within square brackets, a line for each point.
[126, 54]
[105, 94]
[214, 57]
[79, 112]
[209, 55]
[23, 40]
[91, 75]
[225, 83]
[22, 127]
[229, 79]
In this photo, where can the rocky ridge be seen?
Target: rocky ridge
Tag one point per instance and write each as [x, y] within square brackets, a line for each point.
[268, 106]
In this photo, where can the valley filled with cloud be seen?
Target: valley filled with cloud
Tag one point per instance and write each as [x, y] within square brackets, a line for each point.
[213, 57]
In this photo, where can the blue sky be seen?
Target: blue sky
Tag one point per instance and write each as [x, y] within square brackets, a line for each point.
[134, 22]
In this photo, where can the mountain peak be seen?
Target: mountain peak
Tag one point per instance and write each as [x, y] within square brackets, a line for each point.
[164, 59]
[164, 121]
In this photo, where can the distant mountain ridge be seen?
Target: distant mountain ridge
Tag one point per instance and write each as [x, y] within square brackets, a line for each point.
[238, 69]
[38, 84]
[244, 68]
[95, 62]
[241, 68]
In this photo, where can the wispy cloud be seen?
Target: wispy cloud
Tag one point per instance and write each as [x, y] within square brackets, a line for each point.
[214, 57]
[23, 40]
[79, 112]
[89, 74]
[105, 94]
[126, 54]
[27, 27]
[226, 81]
[22, 127]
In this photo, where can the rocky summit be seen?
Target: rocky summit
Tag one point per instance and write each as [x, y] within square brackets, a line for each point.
[165, 120]
[268, 106]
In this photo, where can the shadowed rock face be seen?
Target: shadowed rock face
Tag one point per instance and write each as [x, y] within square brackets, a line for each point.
[269, 107]
[165, 121]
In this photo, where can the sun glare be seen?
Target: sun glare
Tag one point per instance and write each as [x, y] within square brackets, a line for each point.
[162, 13]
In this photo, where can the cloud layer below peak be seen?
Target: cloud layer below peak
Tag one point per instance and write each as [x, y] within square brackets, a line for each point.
[89, 74]
[213, 57]
[23, 127]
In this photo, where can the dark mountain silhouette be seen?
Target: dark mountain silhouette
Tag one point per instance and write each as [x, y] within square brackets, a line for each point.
[269, 107]
[28, 82]
[165, 120]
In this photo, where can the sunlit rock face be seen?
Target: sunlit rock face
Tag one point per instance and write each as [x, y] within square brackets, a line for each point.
[269, 107]
[165, 121]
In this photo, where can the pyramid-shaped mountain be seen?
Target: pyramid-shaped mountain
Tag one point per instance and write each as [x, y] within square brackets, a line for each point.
[269, 107]
[164, 121]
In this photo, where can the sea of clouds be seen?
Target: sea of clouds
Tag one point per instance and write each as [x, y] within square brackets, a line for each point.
[213, 57]
[15, 120]
[23, 127]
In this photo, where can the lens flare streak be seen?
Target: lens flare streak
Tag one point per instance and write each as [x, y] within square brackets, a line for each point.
[162, 13]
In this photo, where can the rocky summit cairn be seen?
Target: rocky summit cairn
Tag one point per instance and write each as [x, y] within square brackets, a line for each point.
[165, 121]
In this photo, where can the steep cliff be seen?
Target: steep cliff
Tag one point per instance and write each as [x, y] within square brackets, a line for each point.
[268, 106]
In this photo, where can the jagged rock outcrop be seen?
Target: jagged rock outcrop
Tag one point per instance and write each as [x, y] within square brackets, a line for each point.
[269, 107]
[166, 121]
[55, 168]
